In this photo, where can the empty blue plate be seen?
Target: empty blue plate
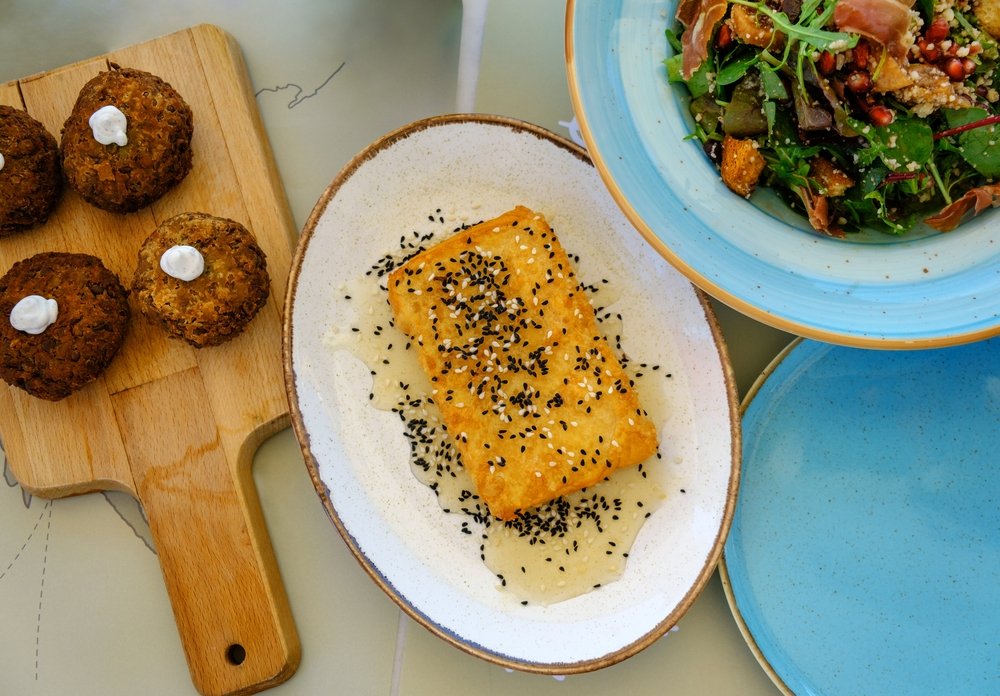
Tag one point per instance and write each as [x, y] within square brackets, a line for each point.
[864, 556]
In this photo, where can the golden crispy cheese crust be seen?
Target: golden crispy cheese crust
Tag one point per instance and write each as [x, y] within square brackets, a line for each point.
[534, 398]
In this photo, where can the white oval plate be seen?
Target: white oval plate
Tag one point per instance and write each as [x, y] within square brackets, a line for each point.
[472, 168]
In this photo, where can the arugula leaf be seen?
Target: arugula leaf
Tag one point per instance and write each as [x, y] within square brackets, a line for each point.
[789, 164]
[783, 131]
[771, 114]
[772, 85]
[734, 70]
[809, 29]
[873, 204]
[884, 214]
[674, 40]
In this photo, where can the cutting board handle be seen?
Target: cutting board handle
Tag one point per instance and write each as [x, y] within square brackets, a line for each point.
[218, 565]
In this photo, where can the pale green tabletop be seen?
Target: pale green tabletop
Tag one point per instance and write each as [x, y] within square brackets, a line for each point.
[83, 604]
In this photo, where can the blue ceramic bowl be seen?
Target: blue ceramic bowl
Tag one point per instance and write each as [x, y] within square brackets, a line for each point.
[922, 290]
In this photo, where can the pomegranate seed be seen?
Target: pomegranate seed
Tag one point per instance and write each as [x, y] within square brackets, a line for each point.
[954, 69]
[859, 55]
[858, 81]
[724, 37]
[881, 115]
[928, 51]
[937, 31]
[827, 63]
[969, 66]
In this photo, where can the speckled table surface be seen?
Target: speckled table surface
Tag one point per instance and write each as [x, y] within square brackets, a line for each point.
[84, 607]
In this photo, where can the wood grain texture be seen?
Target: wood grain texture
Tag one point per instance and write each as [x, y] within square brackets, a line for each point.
[174, 426]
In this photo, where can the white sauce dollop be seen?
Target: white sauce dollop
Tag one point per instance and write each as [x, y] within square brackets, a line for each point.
[1, 160]
[108, 124]
[182, 262]
[33, 314]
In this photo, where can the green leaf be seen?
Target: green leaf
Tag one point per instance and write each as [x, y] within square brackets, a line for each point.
[866, 156]
[883, 215]
[789, 164]
[734, 70]
[871, 178]
[698, 85]
[906, 144]
[674, 40]
[809, 28]
[980, 147]
[783, 132]
[926, 7]
[707, 114]
[914, 139]
[673, 65]
[771, 114]
[773, 87]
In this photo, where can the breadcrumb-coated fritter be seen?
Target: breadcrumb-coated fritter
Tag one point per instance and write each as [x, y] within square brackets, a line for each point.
[30, 178]
[157, 156]
[91, 324]
[216, 306]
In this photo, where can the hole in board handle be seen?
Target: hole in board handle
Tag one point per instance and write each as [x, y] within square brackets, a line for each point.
[236, 654]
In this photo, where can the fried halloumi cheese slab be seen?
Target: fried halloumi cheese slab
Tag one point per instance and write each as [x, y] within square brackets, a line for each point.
[534, 398]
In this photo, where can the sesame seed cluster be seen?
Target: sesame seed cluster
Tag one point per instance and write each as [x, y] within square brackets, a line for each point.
[559, 550]
[549, 553]
[535, 400]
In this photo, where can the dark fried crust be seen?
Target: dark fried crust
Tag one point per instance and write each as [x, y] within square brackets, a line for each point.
[216, 306]
[158, 153]
[30, 181]
[89, 330]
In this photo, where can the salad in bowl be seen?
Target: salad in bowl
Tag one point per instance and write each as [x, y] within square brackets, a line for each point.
[859, 114]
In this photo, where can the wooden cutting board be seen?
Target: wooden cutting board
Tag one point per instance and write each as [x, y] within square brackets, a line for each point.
[173, 426]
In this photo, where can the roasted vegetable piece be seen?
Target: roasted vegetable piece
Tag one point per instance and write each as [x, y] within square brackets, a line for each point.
[752, 28]
[832, 180]
[742, 164]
